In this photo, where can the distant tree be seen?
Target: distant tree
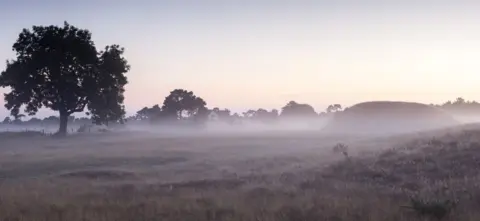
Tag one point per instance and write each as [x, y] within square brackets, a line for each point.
[274, 113]
[223, 115]
[236, 118]
[249, 114]
[334, 108]
[146, 113]
[7, 120]
[200, 116]
[461, 107]
[51, 120]
[261, 115]
[459, 101]
[34, 120]
[60, 68]
[142, 114]
[266, 116]
[294, 109]
[83, 120]
[18, 119]
[182, 104]
[322, 114]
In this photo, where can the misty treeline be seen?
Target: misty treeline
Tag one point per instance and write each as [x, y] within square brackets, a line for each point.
[460, 106]
[182, 106]
[60, 68]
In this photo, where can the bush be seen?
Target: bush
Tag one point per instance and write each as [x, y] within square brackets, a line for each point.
[341, 148]
[436, 209]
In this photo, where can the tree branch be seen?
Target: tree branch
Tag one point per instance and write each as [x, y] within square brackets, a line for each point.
[83, 103]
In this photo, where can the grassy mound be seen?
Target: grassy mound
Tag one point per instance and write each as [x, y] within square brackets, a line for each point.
[389, 117]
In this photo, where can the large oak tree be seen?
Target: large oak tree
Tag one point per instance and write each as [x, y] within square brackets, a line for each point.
[59, 67]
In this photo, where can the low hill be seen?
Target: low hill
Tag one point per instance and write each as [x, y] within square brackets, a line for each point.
[389, 117]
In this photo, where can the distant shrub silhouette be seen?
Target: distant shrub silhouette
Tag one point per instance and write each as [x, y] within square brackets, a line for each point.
[341, 148]
[436, 209]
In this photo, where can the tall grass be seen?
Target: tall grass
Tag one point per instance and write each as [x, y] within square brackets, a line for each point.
[423, 179]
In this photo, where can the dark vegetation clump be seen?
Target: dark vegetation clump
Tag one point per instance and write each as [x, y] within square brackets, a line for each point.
[433, 209]
[341, 148]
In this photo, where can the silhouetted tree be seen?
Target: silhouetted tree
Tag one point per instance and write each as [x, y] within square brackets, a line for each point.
[34, 120]
[222, 114]
[266, 116]
[261, 115]
[249, 114]
[461, 107]
[83, 120]
[459, 101]
[107, 105]
[18, 119]
[146, 113]
[236, 118]
[59, 68]
[322, 114]
[294, 109]
[7, 120]
[200, 116]
[334, 108]
[51, 120]
[182, 104]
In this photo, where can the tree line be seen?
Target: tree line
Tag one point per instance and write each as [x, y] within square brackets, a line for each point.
[460, 106]
[61, 68]
[182, 106]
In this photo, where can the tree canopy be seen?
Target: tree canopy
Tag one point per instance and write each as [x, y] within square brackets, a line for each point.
[334, 108]
[152, 113]
[294, 109]
[58, 67]
[182, 104]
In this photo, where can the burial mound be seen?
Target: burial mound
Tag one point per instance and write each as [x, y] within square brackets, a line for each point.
[389, 117]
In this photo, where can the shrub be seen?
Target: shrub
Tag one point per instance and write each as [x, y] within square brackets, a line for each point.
[436, 209]
[341, 148]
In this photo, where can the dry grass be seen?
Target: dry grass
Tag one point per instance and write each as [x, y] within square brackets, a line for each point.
[272, 177]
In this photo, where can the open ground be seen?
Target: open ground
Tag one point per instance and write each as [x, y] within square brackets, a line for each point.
[265, 176]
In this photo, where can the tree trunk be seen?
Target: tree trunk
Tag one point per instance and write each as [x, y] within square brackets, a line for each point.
[62, 131]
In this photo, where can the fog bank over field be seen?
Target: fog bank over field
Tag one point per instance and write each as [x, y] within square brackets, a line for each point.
[378, 118]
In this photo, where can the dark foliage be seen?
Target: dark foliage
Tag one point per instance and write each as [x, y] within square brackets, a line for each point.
[182, 104]
[294, 109]
[59, 68]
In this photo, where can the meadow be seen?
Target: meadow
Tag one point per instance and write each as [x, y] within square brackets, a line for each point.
[281, 176]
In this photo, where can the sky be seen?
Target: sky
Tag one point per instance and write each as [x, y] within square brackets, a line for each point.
[262, 54]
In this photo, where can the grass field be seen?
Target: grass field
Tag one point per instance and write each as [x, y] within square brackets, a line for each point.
[264, 177]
